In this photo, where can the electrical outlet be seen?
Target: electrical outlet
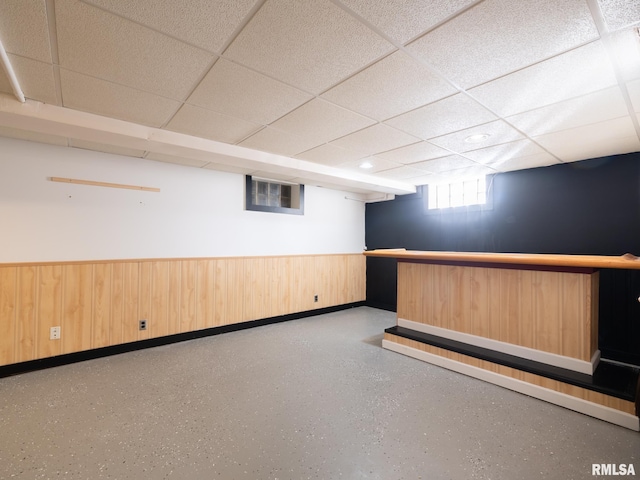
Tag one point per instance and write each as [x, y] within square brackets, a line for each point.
[54, 333]
[143, 324]
[315, 298]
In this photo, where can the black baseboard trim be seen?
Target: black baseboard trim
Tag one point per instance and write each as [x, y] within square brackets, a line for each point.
[618, 356]
[381, 306]
[609, 378]
[40, 364]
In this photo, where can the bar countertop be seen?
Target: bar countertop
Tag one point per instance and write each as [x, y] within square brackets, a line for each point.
[626, 261]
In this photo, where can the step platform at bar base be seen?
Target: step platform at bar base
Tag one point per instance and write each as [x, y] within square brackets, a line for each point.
[610, 394]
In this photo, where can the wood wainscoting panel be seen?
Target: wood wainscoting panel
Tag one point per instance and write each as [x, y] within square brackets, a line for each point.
[551, 311]
[160, 297]
[26, 314]
[116, 333]
[188, 296]
[254, 281]
[236, 291]
[205, 304]
[220, 288]
[144, 299]
[8, 295]
[548, 323]
[77, 307]
[102, 282]
[100, 304]
[131, 299]
[356, 278]
[49, 313]
[409, 295]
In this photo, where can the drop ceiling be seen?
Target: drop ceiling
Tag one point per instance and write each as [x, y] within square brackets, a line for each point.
[308, 90]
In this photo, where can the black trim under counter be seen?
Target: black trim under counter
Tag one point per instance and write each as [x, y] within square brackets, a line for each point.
[612, 379]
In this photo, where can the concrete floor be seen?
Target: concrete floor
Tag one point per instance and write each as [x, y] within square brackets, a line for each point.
[315, 398]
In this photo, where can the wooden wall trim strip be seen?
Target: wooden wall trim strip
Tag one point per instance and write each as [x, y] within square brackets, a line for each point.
[626, 261]
[100, 304]
[104, 184]
[164, 259]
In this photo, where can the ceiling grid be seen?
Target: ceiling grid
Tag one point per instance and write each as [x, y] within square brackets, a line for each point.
[312, 90]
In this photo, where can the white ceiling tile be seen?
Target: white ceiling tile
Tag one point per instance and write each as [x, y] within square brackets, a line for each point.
[390, 87]
[99, 44]
[205, 23]
[466, 173]
[234, 90]
[276, 141]
[513, 155]
[537, 160]
[500, 153]
[328, 154]
[496, 37]
[498, 131]
[24, 30]
[161, 157]
[139, 61]
[92, 95]
[375, 139]
[581, 71]
[591, 108]
[377, 165]
[626, 52]
[634, 92]
[591, 141]
[445, 116]
[439, 165]
[404, 20]
[402, 173]
[207, 124]
[33, 136]
[35, 79]
[321, 121]
[416, 152]
[101, 147]
[620, 13]
[5, 85]
[310, 45]
[425, 179]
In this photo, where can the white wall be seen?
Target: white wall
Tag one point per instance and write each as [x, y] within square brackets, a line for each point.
[198, 213]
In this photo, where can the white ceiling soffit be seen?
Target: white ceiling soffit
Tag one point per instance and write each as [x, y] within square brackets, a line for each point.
[314, 89]
[85, 129]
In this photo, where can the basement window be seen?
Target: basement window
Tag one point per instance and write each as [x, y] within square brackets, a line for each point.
[465, 193]
[264, 195]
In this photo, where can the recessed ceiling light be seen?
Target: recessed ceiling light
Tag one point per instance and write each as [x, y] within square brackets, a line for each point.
[366, 165]
[477, 138]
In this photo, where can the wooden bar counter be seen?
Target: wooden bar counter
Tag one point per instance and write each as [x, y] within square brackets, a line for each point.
[528, 322]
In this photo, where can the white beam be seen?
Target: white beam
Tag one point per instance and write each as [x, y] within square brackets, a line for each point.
[73, 124]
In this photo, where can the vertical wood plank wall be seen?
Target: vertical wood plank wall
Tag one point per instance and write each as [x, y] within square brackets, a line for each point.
[551, 311]
[99, 304]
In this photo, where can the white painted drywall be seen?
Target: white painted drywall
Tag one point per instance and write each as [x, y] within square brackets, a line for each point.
[198, 213]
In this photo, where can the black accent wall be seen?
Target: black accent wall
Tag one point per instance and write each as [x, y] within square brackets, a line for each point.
[587, 207]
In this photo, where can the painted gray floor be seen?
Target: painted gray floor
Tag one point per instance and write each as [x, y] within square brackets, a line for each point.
[316, 398]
